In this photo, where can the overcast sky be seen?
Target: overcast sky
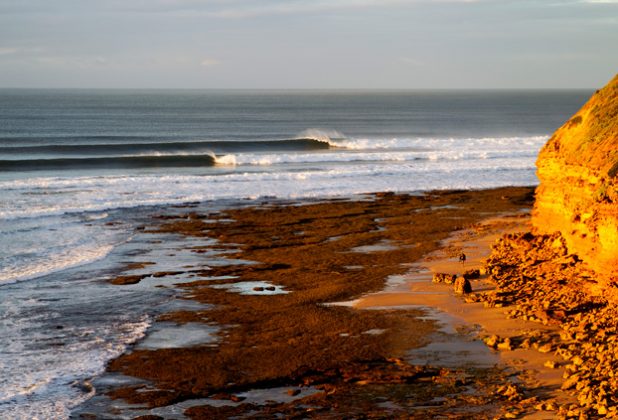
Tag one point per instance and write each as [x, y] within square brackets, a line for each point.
[308, 44]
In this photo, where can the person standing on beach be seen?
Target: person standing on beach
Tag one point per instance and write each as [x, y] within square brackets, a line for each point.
[462, 258]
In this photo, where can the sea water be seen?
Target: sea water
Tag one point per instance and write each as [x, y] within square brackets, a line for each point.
[80, 169]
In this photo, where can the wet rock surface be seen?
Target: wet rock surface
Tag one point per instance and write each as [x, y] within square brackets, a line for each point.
[295, 340]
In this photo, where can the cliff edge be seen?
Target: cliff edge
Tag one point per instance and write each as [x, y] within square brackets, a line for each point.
[578, 191]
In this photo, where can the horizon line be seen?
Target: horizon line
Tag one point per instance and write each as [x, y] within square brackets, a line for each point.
[303, 89]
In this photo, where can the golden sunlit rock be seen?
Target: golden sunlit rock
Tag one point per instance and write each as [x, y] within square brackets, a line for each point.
[578, 191]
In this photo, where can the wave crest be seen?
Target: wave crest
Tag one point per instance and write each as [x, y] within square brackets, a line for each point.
[330, 137]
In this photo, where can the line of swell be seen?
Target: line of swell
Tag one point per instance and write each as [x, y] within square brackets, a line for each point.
[135, 148]
[119, 162]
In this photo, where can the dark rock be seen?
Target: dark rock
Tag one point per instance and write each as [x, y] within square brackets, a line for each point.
[472, 274]
[124, 280]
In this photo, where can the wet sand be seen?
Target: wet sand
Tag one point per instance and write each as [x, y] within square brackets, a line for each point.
[276, 345]
[464, 319]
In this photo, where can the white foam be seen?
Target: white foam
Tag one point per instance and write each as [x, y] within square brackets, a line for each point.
[339, 140]
[36, 384]
[103, 193]
[68, 259]
[225, 160]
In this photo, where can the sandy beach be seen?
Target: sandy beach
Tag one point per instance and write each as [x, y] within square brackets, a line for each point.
[284, 344]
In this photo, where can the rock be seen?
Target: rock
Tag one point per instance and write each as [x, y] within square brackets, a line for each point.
[125, 280]
[258, 289]
[293, 392]
[505, 345]
[491, 341]
[462, 286]
[271, 288]
[546, 406]
[85, 386]
[578, 191]
[472, 274]
[444, 278]
[577, 361]
[550, 364]
[570, 382]
[545, 348]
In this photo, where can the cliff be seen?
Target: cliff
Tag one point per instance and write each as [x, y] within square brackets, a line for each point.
[578, 191]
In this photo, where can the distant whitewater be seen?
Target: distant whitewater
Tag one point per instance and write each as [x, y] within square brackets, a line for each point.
[78, 169]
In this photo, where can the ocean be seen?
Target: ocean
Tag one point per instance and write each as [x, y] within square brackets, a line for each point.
[80, 170]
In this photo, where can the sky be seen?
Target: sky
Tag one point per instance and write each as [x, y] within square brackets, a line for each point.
[308, 44]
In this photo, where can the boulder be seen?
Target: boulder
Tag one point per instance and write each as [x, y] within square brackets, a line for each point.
[462, 286]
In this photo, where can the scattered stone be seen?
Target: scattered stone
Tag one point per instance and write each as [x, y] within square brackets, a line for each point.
[444, 278]
[535, 275]
[509, 391]
[125, 280]
[550, 364]
[505, 345]
[491, 341]
[577, 361]
[545, 348]
[570, 382]
[546, 406]
[462, 286]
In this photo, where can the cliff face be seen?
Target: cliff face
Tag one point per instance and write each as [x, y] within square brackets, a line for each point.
[578, 193]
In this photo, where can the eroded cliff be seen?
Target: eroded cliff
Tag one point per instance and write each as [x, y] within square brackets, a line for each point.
[578, 191]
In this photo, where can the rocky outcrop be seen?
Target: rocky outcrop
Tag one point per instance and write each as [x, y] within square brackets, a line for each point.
[578, 191]
[537, 280]
[462, 286]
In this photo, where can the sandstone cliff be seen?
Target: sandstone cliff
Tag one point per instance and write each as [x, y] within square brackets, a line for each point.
[578, 191]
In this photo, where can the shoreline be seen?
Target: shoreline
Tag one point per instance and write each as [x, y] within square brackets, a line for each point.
[274, 330]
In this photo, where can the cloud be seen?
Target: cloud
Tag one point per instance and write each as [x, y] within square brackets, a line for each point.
[209, 62]
[63, 61]
[600, 1]
[412, 61]
[240, 9]
[248, 10]
[7, 51]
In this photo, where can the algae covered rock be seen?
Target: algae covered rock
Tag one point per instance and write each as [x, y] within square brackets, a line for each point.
[578, 191]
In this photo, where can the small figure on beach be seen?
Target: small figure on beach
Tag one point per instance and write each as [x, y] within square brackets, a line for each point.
[462, 258]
